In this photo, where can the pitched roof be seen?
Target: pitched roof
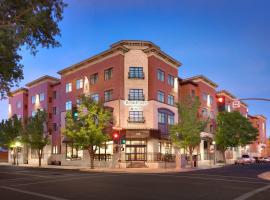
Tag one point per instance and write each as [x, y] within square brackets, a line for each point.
[43, 78]
[122, 46]
[207, 80]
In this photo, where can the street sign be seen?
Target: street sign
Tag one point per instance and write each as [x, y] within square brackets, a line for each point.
[236, 104]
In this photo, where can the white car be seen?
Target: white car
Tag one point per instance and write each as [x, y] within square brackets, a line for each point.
[266, 160]
[245, 159]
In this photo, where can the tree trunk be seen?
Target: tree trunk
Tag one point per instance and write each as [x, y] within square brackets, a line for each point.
[92, 155]
[39, 157]
[14, 156]
[190, 157]
[224, 156]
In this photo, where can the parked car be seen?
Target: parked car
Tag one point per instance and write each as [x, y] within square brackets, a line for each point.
[265, 160]
[245, 159]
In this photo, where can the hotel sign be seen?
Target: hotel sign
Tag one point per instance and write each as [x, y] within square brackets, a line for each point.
[135, 103]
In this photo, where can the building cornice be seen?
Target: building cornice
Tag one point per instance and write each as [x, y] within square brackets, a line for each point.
[42, 79]
[203, 79]
[18, 91]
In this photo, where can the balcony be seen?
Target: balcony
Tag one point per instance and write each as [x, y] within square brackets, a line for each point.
[136, 120]
[136, 97]
[139, 75]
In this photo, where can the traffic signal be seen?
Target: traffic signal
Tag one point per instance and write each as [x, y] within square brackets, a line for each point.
[75, 113]
[123, 140]
[221, 103]
[115, 137]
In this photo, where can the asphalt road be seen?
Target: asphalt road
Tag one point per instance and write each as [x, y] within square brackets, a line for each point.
[231, 182]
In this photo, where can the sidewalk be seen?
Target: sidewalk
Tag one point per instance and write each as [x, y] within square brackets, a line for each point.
[265, 175]
[115, 170]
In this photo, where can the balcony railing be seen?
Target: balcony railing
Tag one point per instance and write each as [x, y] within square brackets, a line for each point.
[133, 75]
[160, 157]
[136, 97]
[136, 119]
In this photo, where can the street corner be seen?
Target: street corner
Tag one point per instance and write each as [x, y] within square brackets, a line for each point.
[265, 176]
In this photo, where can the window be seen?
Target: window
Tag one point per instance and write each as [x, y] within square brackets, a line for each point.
[54, 111]
[161, 118]
[160, 96]
[108, 74]
[228, 108]
[93, 78]
[33, 113]
[79, 84]
[136, 72]
[41, 97]
[136, 116]
[95, 97]
[54, 127]
[68, 87]
[108, 95]
[211, 115]
[55, 149]
[211, 100]
[205, 96]
[171, 80]
[78, 102]
[160, 75]
[204, 112]
[136, 94]
[171, 100]
[33, 99]
[68, 105]
[54, 95]
[19, 104]
[211, 128]
[170, 119]
[192, 93]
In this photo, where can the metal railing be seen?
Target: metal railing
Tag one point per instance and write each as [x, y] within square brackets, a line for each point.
[136, 119]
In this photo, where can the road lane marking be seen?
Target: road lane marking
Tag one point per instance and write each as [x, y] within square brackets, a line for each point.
[213, 179]
[252, 193]
[32, 193]
[16, 173]
[241, 177]
[63, 179]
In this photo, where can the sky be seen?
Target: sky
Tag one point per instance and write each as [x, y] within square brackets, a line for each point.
[226, 40]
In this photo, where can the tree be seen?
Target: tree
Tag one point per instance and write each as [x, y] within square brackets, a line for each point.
[233, 129]
[87, 131]
[10, 134]
[35, 134]
[186, 133]
[29, 23]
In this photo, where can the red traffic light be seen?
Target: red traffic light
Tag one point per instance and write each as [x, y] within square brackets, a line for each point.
[220, 99]
[115, 135]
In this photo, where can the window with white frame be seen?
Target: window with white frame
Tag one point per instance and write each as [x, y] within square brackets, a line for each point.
[160, 75]
[211, 100]
[79, 84]
[68, 105]
[33, 99]
[68, 87]
[93, 78]
[108, 95]
[171, 100]
[136, 72]
[41, 97]
[95, 97]
[171, 119]
[108, 74]
[171, 80]
[204, 95]
[160, 96]
[19, 104]
[136, 95]
[136, 116]
[161, 118]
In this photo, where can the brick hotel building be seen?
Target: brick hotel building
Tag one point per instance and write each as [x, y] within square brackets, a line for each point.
[140, 83]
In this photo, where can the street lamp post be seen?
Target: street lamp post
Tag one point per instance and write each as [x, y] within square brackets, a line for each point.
[214, 143]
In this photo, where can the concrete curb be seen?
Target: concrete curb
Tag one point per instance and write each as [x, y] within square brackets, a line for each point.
[265, 176]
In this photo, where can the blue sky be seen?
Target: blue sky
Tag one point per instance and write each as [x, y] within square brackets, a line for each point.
[227, 41]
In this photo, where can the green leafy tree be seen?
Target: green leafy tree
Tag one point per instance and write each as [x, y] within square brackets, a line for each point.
[186, 133]
[87, 131]
[10, 134]
[29, 23]
[233, 130]
[35, 134]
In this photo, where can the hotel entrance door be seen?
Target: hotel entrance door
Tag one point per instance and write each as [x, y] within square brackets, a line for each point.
[136, 150]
